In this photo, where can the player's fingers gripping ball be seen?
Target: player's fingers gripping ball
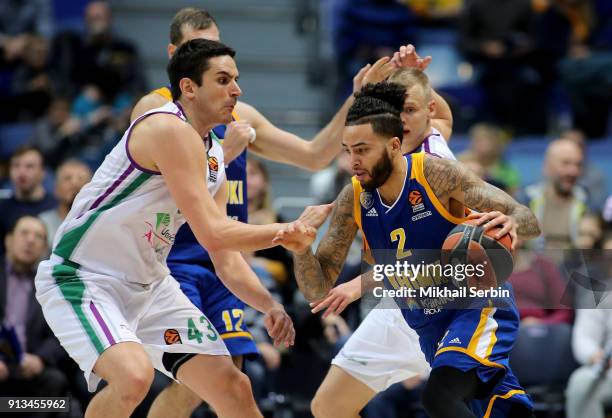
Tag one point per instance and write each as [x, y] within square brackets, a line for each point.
[491, 258]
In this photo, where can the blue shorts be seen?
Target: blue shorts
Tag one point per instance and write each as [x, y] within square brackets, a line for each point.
[480, 340]
[206, 291]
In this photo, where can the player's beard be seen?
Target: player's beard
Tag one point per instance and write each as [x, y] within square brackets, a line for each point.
[380, 172]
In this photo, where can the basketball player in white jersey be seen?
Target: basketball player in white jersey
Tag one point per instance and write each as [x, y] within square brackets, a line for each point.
[384, 350]
[106, 291]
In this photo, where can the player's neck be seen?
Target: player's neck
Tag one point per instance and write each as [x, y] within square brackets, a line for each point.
[413, 145]
[392, 188]
[199, 123]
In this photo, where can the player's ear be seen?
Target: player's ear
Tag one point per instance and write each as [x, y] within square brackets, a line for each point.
[171, 49]
[396, 144]
[431, 108]
[187, 86]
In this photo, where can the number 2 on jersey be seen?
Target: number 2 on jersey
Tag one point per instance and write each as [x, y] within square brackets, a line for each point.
[399, 235]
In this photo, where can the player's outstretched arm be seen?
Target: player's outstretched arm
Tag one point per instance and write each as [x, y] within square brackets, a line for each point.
[171, 146]
[241, 280]
[450, 179]
[316, 274]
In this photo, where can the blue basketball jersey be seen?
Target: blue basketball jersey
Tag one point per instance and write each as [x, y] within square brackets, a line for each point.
[416, 221]
[186, 248]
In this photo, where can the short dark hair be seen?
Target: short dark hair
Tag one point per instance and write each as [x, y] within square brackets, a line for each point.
[191, 61]
[197, 19]
[379, 105]
[24, 149]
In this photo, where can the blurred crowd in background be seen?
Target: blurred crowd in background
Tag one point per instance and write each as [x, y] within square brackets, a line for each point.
[541, 68]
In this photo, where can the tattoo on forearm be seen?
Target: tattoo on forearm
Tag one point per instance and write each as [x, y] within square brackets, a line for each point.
[316, 275]
[449, 178]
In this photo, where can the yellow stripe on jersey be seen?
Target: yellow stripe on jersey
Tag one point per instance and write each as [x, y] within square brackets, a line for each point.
[418, 173]
[164, 92]
[506, 396]
[481, 360]
[236, 334]
[357, 189]
[167, 94]
[484, 337]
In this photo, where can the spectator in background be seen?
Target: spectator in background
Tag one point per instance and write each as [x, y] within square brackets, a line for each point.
[99, 61]
[593, 179]
[31, 83]
[27, 172]
[539, 289]
[590, 232]
[585, 71]
[559, 201]
[589, 389]
[487, 149]
[497, 36]
[364, 31]
[326, 184]
[58, 133]
[277, 261]
[71, 176]
[35, 374]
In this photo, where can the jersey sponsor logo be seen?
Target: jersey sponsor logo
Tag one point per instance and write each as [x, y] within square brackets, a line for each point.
[160, 235]
[421, 216]
[172, 336]
[213, 168]
[455, 340]
[372, 212]
[366, 199]
[235, 192]
[431, 311]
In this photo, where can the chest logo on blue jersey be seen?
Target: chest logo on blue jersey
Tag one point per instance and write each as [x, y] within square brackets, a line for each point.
[416, 200]
[213, 168]
[366, 199]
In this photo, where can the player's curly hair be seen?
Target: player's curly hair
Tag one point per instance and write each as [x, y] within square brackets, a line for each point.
[380, 105]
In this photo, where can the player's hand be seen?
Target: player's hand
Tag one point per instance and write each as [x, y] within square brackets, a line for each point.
[338, 298]
[490, 220]
[315, 216]
[380, 71]
[358, 79]
[4, 371]
[279, 326]
[407, 57]
[31, 365]
[237, 137]
[295, 237]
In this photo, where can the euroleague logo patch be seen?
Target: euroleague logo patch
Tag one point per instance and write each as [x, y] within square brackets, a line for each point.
[213, 168]
[172, 336]
[416, 200]
[366, 200]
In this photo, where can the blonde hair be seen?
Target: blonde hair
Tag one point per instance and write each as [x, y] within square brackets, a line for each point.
[410, 77]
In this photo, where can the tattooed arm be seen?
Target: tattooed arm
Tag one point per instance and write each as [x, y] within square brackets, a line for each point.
[452, 180]
[316, 274]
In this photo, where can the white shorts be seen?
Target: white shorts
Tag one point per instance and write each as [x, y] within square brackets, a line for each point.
[382, 351]
[89, 312]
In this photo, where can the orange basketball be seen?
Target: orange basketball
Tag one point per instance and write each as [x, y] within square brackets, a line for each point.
[470, 244]
[172, 336]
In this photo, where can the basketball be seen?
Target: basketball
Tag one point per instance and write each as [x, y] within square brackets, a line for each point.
[470, 244]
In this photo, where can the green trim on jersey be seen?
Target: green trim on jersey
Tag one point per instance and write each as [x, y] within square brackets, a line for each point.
[67, 279]
[71, 239]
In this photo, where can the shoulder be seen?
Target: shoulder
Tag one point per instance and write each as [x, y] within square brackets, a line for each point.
[148, 102]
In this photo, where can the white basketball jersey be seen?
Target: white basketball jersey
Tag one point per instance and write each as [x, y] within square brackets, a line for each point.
[123, 222]
[435, 144]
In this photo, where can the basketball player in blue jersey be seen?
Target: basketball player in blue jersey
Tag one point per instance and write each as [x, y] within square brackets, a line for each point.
[188, 261]
[467, 349]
